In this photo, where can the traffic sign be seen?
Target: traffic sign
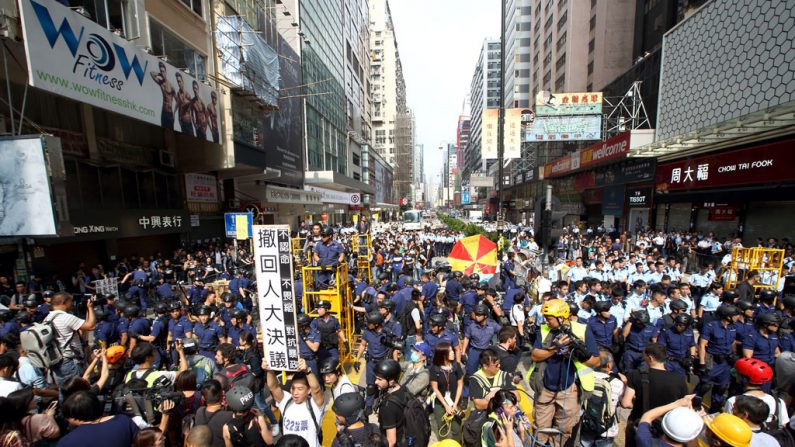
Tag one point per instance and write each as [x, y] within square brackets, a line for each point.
[233, 220]
[252, 208]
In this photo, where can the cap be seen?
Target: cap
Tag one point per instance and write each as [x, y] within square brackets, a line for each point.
[424, 348]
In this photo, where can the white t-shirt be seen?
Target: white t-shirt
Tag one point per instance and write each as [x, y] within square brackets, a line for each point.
[8, 386]
[344, 385]
[517, 315]
[759, 439]
[298, 421]
[783, 417]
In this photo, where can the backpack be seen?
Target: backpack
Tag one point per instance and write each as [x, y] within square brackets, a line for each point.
[473, 426]
[41, 344]
[416, 423]
[239, 375]
[783, 436]
[406, 321]
[202, 368]
[598, 415]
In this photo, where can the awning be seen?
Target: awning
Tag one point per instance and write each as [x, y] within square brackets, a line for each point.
[384, 206]
[335, 180]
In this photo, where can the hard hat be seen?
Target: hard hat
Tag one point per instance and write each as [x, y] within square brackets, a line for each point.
[114, 354]
[756, 372]
[24, 317]
[482, 309]
[387, 304]
[240, 399]
[729, 296]
[640, 317]
[227, 297]
[161, 308]
[438, 320]
[131, 311]
[745, 305]
[474, 277]
[483, 285]
[727, 311]
[387, 369]
[240, 314]
[685, 319]
[556, 308]
[602, 306]
[731, 429]
[204, 310]
[682, 424]
[767, 318]
[767, 295]
[174, 305]
[327, 232]
[329, 365]
[324, 304]
[458, 274]
[30, 301]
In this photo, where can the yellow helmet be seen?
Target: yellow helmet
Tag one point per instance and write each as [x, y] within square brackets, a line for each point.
[556, 308]
[730, 429]
[446, 443]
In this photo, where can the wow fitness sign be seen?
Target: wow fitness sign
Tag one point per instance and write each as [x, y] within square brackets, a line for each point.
[72, 56]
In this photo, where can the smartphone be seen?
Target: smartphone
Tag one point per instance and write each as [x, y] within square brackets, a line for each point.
[696, 403]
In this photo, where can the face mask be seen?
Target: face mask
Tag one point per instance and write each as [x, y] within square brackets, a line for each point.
[415, 357]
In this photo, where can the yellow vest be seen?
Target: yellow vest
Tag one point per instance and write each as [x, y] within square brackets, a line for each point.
[584, 372]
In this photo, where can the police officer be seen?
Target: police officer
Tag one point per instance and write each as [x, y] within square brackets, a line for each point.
[44, 308]
[508, 274]
[10, 326]
[139, 328]
[237, 325]
[390, 324]
[308, 342]
[106, 333]
[372, 342]
[762, 342]
[229, 301]
[164, 291]
[328, 254]
[330, 331]
[676, 307]
[679, 343]
[604, 326]
[745, 324]
[239, 284]
[637, 333]
[32, 306]
[159, 332]
[786, 337]
[709, 303]
[438, 333]
[453, 288]
[179, 328]
[469, 300]
[24, 319]
[197, 293]
[478, 336]
[402, 296]
[767, 298]
[207, 333]
[139, 280]
[716, 354]
[429, 288]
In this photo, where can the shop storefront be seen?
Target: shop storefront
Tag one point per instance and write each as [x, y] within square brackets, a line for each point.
[747, 191]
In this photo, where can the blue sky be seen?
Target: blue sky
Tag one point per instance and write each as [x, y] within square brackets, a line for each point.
[439, 43]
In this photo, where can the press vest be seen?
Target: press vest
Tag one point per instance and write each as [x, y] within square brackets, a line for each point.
[584, 372]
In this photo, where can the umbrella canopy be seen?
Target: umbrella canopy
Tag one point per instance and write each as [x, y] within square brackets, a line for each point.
[474, 254]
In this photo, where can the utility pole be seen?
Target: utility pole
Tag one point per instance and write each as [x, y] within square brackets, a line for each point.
[501, 124]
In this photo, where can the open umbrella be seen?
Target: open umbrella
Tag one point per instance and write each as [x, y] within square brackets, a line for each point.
[474, 254]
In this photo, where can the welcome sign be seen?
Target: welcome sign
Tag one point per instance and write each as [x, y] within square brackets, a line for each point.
[72, 56]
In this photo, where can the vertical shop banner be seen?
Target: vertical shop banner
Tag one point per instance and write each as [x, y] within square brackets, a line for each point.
[513, 134]
[273, 267]
[489, 124]
[587, 103]
[238, 225]
[26, 200]
[73, 56]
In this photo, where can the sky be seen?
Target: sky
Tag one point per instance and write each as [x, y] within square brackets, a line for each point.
[439, 43]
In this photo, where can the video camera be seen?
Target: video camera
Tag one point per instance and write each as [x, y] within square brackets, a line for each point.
[392, 341]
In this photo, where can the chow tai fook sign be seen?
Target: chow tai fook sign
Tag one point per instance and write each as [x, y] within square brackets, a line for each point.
[72, 56]
[273, 268]
[615, 148]
[762, 164]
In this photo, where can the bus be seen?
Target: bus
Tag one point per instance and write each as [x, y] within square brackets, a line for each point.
[412, 220]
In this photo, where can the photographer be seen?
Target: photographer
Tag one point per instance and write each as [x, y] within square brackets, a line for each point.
[562, 344]
[248, 427]
[66, 327]
[352, 425]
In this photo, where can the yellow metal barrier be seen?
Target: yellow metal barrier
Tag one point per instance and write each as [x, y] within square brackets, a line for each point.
[767, 261]
[297, 251]
[362, 246]
[340, 297]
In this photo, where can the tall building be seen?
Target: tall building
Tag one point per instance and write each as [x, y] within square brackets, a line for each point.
[358, 119]
[404, 154]
[462, 139]
[485, 94]
[517, 53]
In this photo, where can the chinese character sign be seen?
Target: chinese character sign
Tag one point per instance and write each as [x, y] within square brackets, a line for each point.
[490, 126]
[273, 267]
[513, 133]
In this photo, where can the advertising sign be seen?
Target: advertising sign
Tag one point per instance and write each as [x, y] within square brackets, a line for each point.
[489, 124]
[633, 171]
[72, 56]
[201, 188]
[639, 197]
[273, 268]
[615, 148]
[276, 194]
[465, 198]
[589, 103]
[513, 134]
[331, 196]
[723, 213]
[565, 128]
[383, 182]
[613, 200]
[762, 164]
[238, 224]
[481, 181]
[26, 205]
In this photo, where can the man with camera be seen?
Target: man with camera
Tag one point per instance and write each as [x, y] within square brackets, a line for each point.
[67, 327]
[564, 356]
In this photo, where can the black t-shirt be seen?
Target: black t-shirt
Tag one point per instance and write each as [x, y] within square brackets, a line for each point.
[361, 435]
[216, 421]
[245, 431]
[664, 388]
[509, 360]
[390, 412]
[447, 380]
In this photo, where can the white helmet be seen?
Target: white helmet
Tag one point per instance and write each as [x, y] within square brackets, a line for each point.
[682, 424]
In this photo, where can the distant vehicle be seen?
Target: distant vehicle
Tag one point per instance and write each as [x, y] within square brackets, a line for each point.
[412, 220]
[475, 216]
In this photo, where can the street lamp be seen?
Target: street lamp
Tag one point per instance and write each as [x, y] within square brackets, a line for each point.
[501, 123]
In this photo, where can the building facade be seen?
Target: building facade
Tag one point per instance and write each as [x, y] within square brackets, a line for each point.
[485, 94]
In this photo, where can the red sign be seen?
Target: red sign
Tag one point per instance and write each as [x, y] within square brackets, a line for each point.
[558, 167]
[722, 213]
[615, 148]
[762, 164]
[584, 180]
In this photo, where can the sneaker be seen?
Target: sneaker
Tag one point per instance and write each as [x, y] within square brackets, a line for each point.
[275, 430]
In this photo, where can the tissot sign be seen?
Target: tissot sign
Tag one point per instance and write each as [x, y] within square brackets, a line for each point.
[70, 55]
[762, 164]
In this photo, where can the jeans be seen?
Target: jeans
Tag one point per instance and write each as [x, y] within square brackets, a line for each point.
[588, 439]
[66, 369]
[418, 272]
[265, 408]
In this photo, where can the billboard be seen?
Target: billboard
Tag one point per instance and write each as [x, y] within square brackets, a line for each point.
[332, 196]
[201, 188]
[513, 134]
[489, 124]
[26, 204]
[477, 180]
[561, 104]
[565, 128]
[383, 182]
[72, 56]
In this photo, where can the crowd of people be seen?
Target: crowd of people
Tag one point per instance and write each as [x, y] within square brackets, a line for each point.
[615, 341]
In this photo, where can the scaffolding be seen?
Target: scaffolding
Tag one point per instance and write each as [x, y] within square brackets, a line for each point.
[363, 248]
[768, 262]
[338, 294]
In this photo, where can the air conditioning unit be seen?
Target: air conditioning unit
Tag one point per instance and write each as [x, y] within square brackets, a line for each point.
[166, 159]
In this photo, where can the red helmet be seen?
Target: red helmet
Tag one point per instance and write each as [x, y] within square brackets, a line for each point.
[756, 372]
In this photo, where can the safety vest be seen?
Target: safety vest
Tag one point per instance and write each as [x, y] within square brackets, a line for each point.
[584, 372]
[481, 379]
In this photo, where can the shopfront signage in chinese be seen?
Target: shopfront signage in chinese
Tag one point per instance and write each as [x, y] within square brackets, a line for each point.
[331, 196]
[588, 103]
[762, 164]
[201, 188]
[102, 224]
[723, 213]
[273, 268]
[489, 124]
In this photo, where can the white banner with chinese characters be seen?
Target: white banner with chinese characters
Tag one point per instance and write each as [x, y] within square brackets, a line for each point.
[273, 267]
[107, 286]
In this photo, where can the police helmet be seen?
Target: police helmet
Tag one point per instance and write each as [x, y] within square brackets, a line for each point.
[329, 365]
[327, 232]
[683, 319]
[729, 296]
[161, 308]
[727, 311]
[602, 306]
[24, 317]
[190, 346]
[744, 305]
[677, 305]
[387, 304]
[100, 313]
[323, 304]
[483, 285]
[392, 288]
[240, 314]
[227, 297]
[50, 293]
[482, 309]
[239, 399]
[474, 277]
[767, 319]
[458, 274]
[174, 305]
[789, 301]
[132, 311]
[573, 308]
[30, 301]
[383, 276]
[350, 406]
[304, 320]
[767, 296]
[204, 310]
[375, 318]
[387, 369]
[640, 317]
[6, 315]
[438, 320]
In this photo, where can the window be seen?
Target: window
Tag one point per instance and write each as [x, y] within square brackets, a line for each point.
[590, 68]
[195, 6]
[593, 3]
[592, 23]
[111, 14]
[549, 22]
[591, 45]
[357, 176]
[562, 21]
[562, 41]
[559, 84]
[356, 160]
[179, 54]
[561, 61]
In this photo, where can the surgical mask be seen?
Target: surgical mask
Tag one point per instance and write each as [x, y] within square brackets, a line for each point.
[414, 357]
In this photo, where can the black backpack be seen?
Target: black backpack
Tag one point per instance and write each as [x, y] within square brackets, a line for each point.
[406, 321]
[783, 436]
[416, 423]
[598, 415]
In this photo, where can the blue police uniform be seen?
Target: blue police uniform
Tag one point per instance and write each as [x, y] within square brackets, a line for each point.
[110, 309]
[137, 277]
[744, 329]
[234, 286]
[328, 254]
[376, 351]
[43, 310]
[763, 308]
[764, 347]
[637, 339]
[307, 354]
[453, 289]
[164, 291]
[720, 341]
[159, 330]
[447, 336]
[123, 325]
[603, 330]
[508, 280]
[392, 326]
[480, 337]
[400, 299]
[233, 332]
[508, 300]
[359, 287]
[429, 291]
[298, 288]
[786, 339]
[469, 300]
[179, 329]
[107, 332]
[329, 339]
[197, 294]
[223, 314]
[677, 346]
[208, 336]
